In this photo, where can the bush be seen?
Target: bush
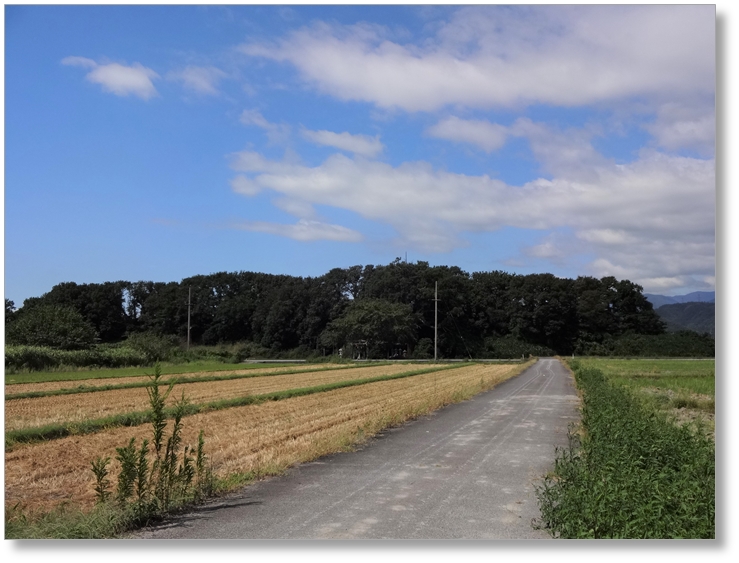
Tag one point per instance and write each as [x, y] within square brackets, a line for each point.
[55, 326]
[39, 358]
[683, 344]
[510, 347]
[155, 347]
[423, 350]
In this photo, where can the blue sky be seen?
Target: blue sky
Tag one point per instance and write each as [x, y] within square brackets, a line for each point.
[159, 142]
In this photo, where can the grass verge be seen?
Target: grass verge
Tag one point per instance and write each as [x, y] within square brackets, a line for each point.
[629, 472]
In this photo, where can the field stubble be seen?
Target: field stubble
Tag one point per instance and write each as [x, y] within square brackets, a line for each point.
[17, 388]
[249, 441]
[40, 411]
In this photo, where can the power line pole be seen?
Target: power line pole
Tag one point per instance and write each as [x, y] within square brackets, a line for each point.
[189, 296]
[436, 306]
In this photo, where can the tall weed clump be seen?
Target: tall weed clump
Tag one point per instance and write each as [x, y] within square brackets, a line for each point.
[630, 473]
[38, 358]
[153, 480]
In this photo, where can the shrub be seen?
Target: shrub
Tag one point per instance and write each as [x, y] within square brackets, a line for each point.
[510, 347]
[423, 350]
[37, 358]
[672, 344]
[155, 347]
[55, 326]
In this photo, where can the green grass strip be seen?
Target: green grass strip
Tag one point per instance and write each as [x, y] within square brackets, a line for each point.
[177, 381]
[631, 473]
[55, 431]
[114, 373]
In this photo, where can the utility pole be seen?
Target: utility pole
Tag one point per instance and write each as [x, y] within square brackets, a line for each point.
[436, 306]
[189, 296]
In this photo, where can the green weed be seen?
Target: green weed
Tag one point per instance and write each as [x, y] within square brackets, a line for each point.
[148, 488]
[630, 473]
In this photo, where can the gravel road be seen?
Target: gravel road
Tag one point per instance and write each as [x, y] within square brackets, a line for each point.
[464, 472]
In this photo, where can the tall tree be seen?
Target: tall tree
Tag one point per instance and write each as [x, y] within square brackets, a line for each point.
[57, 326]
[381, 324]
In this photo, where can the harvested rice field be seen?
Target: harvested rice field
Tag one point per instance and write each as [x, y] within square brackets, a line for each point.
[259, 439]
[46, 386]
[41, 411]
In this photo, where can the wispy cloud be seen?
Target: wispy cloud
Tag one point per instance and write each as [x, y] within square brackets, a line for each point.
[663, 203]
[512, 56]
[304, 230]
[483, 134]
[277, 133]
[358, 144]
[680, 126]
[117, 78]
[198, 79]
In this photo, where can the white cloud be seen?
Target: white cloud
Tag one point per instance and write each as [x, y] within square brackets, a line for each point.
[304, 230]
[118, 79]
[488, 136]
[277, 133]
[552, 248]
[358, 144]
[245, 186]
[650, 218]
[685, 126]
[79, 61]
[567, 152]
[295, 207]
[198, 79]
[607, 236]
[512, 56]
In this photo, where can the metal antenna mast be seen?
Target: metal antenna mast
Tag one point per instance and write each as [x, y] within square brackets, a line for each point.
[436, 307]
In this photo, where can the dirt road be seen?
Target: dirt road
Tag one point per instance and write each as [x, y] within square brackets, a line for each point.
[465, 472]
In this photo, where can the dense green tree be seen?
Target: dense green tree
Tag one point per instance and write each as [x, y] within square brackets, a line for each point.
[381, 324]
[9, 310]
[57, 326]
[280, 313]
[101, 305]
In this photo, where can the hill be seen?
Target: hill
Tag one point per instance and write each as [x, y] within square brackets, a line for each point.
[699, 317]
[658, 301]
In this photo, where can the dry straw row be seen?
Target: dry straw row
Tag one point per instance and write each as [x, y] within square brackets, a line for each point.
[18, 388]
[41, 411]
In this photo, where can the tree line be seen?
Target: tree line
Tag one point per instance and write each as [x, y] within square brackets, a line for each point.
[385, 310]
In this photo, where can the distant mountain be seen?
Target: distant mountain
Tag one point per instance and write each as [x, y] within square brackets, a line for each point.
[658, 301]
[700, 317]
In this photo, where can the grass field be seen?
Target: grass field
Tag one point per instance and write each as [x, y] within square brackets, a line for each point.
[243, 442]
[695, 376]
[685, 388]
